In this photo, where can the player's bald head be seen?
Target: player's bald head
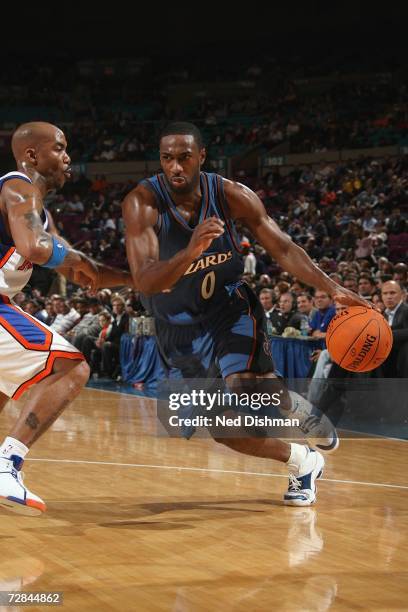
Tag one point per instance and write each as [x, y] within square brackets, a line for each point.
[31, 135]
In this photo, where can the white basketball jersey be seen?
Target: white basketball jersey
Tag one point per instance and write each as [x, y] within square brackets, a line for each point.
[15, 270]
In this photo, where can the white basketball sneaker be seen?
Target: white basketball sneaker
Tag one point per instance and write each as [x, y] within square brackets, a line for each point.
[302, 480]
[14, 495]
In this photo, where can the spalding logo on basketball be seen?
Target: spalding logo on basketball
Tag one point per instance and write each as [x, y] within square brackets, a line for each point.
[359, 339]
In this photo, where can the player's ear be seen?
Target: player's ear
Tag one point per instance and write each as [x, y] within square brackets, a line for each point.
[203, 155]
[31, 156]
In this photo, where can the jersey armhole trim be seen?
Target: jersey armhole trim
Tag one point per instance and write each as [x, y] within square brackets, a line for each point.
[225, 212]
[159, 223]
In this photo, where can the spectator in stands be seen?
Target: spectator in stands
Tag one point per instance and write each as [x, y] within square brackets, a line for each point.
[305, 305]
[76, 206]
[369, 221]
[297, 287]
[323, 367]
[34, 308]
[105, 327]
[325, 312]
[20, 298]
[110, 348]
[377, 301]
[285, 316]
[85, 332]
[65, 318]
[348, 239]
[81, 305]
[249, 258]
[379, 249]
[132, 297]
[104, 297]
[265, 282]
[280, 288]
[366, 286]
[364, 245]
[384, 267]
[400, 274]
[50, 312]
[336, 277]
[107, 222]
[396, 222]
[396, 313]
[266, 299]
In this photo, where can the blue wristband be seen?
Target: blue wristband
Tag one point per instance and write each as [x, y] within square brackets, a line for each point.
[59, 252]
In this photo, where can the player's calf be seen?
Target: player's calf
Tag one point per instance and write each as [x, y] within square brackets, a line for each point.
[48, 399]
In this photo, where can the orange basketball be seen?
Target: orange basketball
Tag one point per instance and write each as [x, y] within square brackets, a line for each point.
[359, 339]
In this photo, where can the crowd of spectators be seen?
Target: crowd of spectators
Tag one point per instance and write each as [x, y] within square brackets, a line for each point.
[111, 115]
[343, 117]
[94, 324]
[351, 212]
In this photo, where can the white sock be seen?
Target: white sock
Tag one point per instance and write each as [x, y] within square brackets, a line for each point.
[298, 454]
[11, 446]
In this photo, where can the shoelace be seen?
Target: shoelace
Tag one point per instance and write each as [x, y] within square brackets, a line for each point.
[294, 484]
[312, 424]
[17, 475]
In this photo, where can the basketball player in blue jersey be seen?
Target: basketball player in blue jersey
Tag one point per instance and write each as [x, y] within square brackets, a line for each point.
[33, 356]
[184, 257]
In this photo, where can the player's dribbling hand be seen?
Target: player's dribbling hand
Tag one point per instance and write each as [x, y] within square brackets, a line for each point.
[86, 273]
[203, 235]
[349, 298]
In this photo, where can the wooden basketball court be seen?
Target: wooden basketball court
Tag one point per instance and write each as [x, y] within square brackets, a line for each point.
[145, 523]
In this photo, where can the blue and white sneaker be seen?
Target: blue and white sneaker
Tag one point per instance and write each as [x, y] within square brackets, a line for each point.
[319, 431]
[302, 480]
[14, 495]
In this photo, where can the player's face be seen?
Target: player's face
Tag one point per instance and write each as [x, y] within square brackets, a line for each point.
[181, 160]
[53, 160]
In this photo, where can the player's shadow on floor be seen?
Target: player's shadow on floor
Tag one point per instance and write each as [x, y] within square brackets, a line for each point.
[79, 516]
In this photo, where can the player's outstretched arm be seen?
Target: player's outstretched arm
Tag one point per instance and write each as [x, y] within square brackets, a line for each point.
[24, 205]
[248, 208]
[150, 274]
[107, 276]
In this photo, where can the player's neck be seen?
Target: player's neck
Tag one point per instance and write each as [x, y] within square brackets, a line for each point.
[37, 179]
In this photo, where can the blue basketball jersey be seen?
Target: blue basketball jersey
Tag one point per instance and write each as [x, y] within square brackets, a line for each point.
[209, 280]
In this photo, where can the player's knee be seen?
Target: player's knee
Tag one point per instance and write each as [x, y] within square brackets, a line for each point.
[77, 377]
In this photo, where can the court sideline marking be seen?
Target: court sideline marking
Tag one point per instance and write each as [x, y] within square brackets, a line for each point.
[211, 470]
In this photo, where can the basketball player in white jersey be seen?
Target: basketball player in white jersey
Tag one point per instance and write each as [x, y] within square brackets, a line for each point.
[33, 356]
